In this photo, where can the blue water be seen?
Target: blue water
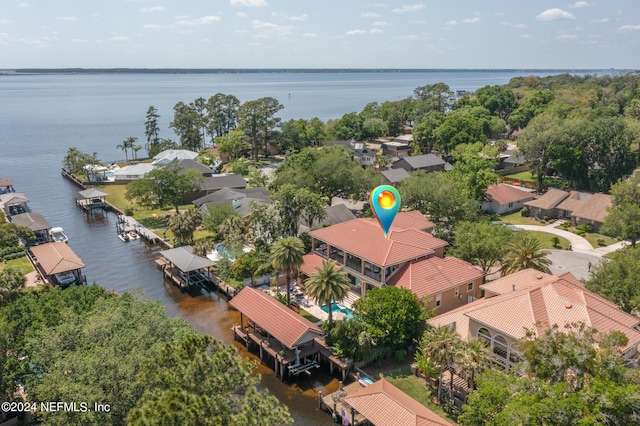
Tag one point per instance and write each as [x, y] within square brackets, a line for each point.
[223, 252]
[336, 308]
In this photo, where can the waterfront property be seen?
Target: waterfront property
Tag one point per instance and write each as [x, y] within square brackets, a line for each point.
[186, 269]
[535, 301]
[91, 200]
[240, 199]
[57, 264]
[380, 403]
[283, 337]
[6, 186]
[13, 203]
[370, 259]
[36, 222]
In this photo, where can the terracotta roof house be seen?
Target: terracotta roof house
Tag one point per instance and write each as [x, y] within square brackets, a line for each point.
[14, 203]
[448, 282]
[368, 257]
[427, 162]
[384, 404]
[6, 185]
[501, 198]
[536, 302]
[580, 207]
[58, 264]
[241, 199]
[36, 222]
[394, 176]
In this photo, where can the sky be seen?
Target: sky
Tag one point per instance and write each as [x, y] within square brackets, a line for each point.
[442, 34]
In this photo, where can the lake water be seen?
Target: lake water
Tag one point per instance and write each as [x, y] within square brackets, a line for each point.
[41, 116]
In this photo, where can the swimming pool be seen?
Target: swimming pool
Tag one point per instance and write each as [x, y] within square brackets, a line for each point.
[224, 253]
[110, 175]
[337, 307]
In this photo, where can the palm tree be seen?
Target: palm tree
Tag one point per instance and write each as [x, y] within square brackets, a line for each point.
[135, 150]
[184, 225]
[286, 256]
[125, 148]
[327, 284]
[473, 358]
[440, 345]
[525, 253]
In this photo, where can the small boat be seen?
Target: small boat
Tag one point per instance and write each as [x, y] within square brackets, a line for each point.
[133, 235]
[57, 235]
[124, 237]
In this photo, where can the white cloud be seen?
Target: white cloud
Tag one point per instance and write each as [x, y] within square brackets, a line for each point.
[527, 37]
[152, 27]
[199, 21]
[310, 35]
[4, 21]
[599, 21]
[509, 24]
[409, 37]
[268, 28]
[241, 14]
[356, 32]
[595, 36]
[152, 9]
[299, 17]
[554, 15]
[24, 4]
[381, 24]
[370, 15]
[579, 4]
[471, 20]
[66, 18]
[451, 22]
[119, 38]
[249, 3]
[567, 37]
[80, 40]
[376, 31]
[408, 8]
[628, 28]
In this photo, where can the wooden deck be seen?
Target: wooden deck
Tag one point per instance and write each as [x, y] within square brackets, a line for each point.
[335, 407]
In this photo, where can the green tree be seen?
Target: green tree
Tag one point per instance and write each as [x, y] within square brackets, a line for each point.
[439, 95]
[187, 124]
[233, 230]
[393, 316]
[222, 113]
[183, 225]
[499, 100]
[618, 279]
[252, 265]
[286, 256]
[294, 204]
[441, 198]
[127, 145]
[75, 160]
[225, 392]
[216, 215]
[540, 136]
[473, 357]
[233, 144]
[473, 168]
[462, 126]
[531, 106]
[257, 119]
[481, 243]
[328, 284]
[440, 346]
[623, 218]
[349, 126]
[12, 235]
[11, 281]
[524, 253]
[424, 133]
[151, 128]
[161, 145]
[164, 186]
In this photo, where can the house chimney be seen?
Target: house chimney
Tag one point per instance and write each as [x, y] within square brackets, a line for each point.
[513, 287]
[568, 305]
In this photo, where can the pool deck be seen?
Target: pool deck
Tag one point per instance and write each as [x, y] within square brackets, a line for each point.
[310, 305]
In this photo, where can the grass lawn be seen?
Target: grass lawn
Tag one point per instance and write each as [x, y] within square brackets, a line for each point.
[545, 239]
[416, 388]
[525, 176]
[593, 238]
[308, 316]
[516, 218]
[21, 263]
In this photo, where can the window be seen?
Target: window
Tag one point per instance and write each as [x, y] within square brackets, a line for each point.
[484, 336]
[470, 287]
[510, 204]
[456, 292]
[438, 300]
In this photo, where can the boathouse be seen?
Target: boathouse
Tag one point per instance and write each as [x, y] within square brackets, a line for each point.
[58, 264]
[36, 222]
[14, 203]
[186, 269]
[91, 199]
[6, 186]
[291, 342]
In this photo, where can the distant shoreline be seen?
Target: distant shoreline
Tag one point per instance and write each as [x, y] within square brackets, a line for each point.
[31, 71]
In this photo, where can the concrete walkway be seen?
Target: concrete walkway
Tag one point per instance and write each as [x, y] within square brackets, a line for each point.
[578, 243]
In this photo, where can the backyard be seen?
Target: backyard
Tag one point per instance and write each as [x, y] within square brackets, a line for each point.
[21, 263]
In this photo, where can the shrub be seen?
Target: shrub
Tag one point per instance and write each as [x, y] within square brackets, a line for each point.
[587, 227]
[128, 211]
[566, 225]
[555, 241]
[601, 242]
[545, 218]
[400, 354]
[580, 232]
[524, 212]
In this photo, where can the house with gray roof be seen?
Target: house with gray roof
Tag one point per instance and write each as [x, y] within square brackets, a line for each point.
[188, 164]
[215, 183]
[427, 162]
[6, 186]
[335, 214]
[394, 176]
[241, 199]
[13, 203]
[36, 222]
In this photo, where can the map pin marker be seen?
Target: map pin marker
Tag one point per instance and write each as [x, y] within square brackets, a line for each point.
[385, 203]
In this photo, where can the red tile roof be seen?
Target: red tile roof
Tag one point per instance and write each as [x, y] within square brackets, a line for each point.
[560, 301]
[288, 327]
[309, 263]
[505, 194]
[56, 257]
[434, 275]
[365, 239]
[521, 280]
[412, 219]
[384, 404]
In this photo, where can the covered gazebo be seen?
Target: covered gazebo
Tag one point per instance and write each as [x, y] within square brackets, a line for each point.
[36, 222]
[91, 199]
[186, 269]
[14, 203]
